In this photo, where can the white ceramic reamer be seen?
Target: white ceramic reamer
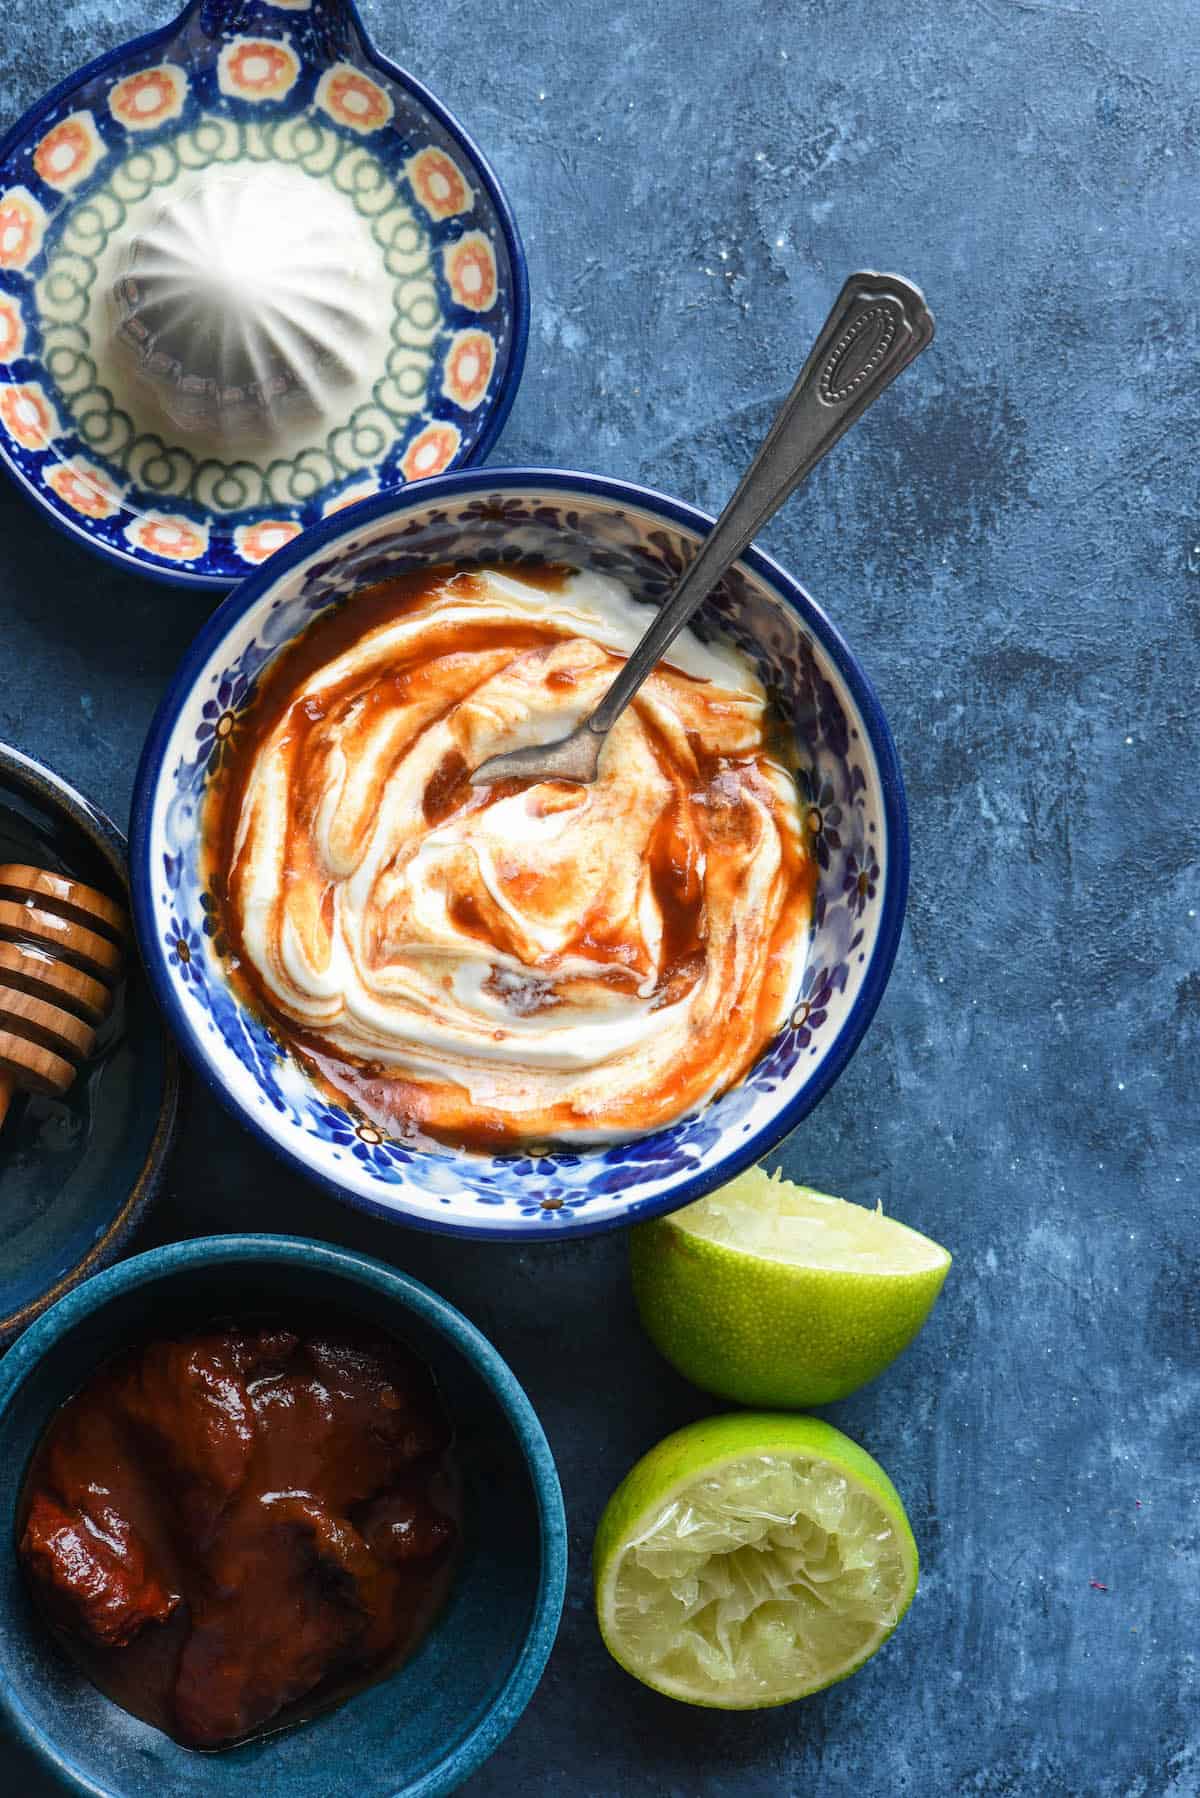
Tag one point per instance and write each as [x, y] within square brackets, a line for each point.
[250, 273]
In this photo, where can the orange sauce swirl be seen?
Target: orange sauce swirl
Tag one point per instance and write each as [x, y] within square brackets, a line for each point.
[520, 964]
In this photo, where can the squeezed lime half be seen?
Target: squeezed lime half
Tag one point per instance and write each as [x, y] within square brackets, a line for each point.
[750, 1560]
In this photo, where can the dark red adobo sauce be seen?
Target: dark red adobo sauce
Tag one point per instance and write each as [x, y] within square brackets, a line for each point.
[235, 1528]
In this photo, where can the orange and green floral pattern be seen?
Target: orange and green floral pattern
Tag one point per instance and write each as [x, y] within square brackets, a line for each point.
[12, 330]
[352, 98]
[166, 534]
[470, 266]
[430, 452]
[257, 68]
[72, 426]
[470, 360]
[149, 98]
[87, 489]
[22, 228]
[258, 542]
[28, 415]
[438, 183]
[69, 152]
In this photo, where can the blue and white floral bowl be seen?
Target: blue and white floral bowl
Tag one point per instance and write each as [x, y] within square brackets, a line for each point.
[857, 814]
[235, 90]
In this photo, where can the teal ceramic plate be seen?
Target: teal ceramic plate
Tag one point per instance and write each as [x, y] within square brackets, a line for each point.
[77, 1173]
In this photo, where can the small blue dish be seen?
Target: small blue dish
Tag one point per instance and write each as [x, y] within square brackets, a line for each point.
[855, 812]
[77, 1172]
[99, 399]
[420, 1732]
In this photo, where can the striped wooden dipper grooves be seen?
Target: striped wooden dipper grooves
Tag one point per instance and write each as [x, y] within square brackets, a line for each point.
[61, 951]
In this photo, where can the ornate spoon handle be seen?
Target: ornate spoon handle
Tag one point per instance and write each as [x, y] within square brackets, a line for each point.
[878, 325]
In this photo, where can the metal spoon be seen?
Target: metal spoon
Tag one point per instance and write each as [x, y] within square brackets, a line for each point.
[879, 324]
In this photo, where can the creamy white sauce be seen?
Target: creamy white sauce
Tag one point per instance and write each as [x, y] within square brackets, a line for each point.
[351, 903]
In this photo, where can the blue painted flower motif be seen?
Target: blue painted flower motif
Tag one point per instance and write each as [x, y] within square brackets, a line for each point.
[186, 951]
[834, 728]
[812, 1007]
[859, 883]
[218, 716]
[553, 1203]
[823, 814]
[370, 570]
[494, 509]
[211, 922]
[673, 1151]
[424, 525]
[527, 1167]
[623, 1177]
[317, 575]
[662, 559]
[365, 1141]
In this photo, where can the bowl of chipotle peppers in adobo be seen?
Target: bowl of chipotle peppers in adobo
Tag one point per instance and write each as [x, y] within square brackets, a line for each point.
[278, 1519]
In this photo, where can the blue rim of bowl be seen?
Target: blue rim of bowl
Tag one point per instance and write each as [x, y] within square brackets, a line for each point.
[411, 1295]
[94, 823]
[497, 417]
[789, 590]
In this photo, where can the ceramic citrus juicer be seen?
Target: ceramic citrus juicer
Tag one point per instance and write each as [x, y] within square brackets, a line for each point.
[250, 272]
[60, 953]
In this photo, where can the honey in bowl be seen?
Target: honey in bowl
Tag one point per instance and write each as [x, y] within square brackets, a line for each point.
[519, 963]
[236, 1528]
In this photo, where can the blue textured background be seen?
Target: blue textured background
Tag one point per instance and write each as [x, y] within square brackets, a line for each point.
[1012, 542]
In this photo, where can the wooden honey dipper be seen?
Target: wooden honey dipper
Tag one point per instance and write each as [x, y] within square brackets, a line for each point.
[60, 956]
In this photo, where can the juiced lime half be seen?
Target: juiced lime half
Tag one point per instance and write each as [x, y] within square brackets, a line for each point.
[769, 1293]
[752, 1559]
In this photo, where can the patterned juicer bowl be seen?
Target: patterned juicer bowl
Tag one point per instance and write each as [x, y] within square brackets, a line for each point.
[250, 273]
[856, 815]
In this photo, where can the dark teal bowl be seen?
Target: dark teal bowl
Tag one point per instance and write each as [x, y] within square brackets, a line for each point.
[78, 1172]
[432, 1723]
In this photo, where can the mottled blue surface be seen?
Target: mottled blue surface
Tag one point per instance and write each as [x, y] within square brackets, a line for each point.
[1013, 544]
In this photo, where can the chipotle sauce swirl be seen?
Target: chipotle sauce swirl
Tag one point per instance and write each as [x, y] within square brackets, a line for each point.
[521, 963]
